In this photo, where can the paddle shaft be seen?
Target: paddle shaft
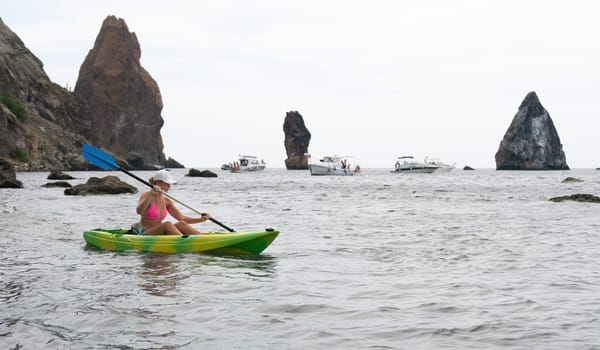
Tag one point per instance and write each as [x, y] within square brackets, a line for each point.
[176, 200]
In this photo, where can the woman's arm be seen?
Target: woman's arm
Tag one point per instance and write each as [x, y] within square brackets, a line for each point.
[144, 203]
[191, 220]
[180, 217]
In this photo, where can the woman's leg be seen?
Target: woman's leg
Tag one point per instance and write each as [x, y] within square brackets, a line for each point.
[186, 228]
[165, 228]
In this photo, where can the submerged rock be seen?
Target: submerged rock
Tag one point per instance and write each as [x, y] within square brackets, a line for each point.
[172, 163]
[531, 142]
[468, 168]
[570, 179]
[297, 138]
[105, 185]
[62, 184]
[579, 197]
[8, 177]
[59, 175]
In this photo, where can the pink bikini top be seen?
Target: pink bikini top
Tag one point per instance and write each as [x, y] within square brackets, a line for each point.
[152, 212]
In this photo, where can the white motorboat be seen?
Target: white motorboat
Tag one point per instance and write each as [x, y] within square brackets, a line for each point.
[408, 164]
[247, 163]
[332, 165]
[443, 167]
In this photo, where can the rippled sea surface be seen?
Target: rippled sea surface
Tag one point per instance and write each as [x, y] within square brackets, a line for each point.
[466, 260]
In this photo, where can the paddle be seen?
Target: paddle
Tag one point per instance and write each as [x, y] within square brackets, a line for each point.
[104, 161]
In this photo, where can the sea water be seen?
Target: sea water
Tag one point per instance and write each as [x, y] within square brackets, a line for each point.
[465, 260]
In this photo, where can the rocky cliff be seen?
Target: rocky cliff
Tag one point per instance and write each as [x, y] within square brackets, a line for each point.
[531, 142]
[36, 115]
[297, 138]
[116, 106]
[124, 100]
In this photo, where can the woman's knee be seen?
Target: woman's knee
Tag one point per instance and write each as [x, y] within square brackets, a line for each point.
[168, 224]
[171, 228]
[181, 225]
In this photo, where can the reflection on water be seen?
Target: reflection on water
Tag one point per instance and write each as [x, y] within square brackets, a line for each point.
[258, 266]
[160, 275]
[163, 275]
[11, 291]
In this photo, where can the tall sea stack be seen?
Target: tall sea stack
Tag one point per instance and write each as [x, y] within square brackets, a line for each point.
[531, 142]
[297, 138]
[124, 99]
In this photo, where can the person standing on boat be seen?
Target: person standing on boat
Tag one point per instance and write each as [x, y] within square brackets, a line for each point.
[153, 208]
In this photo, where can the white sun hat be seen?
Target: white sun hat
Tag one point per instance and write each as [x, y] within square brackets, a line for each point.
[165, 176]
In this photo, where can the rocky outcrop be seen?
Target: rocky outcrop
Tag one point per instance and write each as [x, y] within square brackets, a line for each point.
[106, 185]
[172, 163]
[59, 175]
[124, 99]
[297, 138]
[117, 106]
[8, 177]
[62, 184]
[531, 142]
[579, 197]
[200, 173]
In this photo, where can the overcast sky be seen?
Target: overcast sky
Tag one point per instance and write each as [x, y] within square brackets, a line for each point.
[372, 79]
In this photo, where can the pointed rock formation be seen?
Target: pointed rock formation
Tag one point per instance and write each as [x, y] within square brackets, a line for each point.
[297, 138]
[531, 142]
[124, 99]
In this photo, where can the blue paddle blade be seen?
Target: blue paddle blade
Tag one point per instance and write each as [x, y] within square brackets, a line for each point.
[98, 157]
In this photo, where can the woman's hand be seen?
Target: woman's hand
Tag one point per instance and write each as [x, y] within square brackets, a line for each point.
[205, 216]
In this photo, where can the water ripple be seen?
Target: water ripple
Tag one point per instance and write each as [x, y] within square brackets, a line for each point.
[466, 260]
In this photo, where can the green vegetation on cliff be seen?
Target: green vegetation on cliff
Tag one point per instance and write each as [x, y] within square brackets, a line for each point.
[19, 154]
[15, 106]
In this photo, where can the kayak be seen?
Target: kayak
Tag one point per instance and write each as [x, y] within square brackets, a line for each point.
[212, 242]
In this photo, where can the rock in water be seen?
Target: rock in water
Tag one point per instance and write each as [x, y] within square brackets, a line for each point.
[570, 179]
[579, 197]
[8, 177]
[59, 175]
[200, 173]
[531, 142]
[106, 185]
[62, 184]
[297, 138]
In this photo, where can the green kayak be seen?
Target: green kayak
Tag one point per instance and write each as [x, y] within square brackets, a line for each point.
[212, 242]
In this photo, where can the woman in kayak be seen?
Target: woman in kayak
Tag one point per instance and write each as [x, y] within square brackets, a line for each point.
[153, 208]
